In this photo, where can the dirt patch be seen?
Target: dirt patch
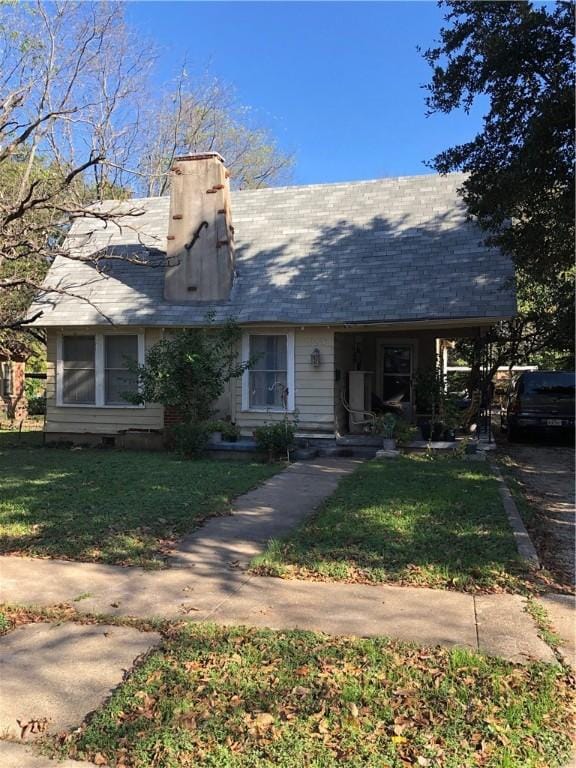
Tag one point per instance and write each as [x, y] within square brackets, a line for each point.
[546, 475]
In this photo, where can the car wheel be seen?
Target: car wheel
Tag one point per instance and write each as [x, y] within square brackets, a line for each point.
[514, 434]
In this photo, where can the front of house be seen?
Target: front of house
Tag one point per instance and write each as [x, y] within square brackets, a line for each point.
[342, 291]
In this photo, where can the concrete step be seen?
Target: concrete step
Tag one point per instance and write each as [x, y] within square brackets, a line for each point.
[361, 441]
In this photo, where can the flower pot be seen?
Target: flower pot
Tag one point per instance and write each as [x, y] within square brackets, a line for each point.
[389, 444]
[437, 432]
[426, 430]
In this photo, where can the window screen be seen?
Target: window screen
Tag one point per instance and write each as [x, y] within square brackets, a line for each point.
[268, 378]
[78, 370]
[119, 351]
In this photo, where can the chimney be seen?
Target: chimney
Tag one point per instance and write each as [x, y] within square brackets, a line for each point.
[200, 248]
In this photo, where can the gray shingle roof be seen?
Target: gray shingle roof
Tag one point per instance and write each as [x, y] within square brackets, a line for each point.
[394, 249]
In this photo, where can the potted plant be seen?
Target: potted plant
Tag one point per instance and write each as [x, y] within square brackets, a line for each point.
[223, 430]
[437, 430]
[386, 426]
[451, 417]
[230, 432]
[425, 429]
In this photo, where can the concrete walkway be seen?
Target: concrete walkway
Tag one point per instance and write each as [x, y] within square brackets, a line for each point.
[268, 512]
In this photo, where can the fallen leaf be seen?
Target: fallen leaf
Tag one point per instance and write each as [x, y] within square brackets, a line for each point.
[99, 759]
[323, 726]
[263, 720]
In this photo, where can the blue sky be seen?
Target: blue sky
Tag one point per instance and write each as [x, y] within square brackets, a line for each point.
[338, 83]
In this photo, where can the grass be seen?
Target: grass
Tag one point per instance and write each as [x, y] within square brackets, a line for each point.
[5, 623]
[241, 698]
[435, 522]
[109, 506]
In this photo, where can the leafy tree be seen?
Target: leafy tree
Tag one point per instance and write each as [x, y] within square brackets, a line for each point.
[79, 123]
[69, 75]
[188, 370]
[520, 166]
[204, 116]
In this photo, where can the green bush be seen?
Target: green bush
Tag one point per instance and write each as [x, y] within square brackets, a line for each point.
[228, 430]
[404, 432]
[276, 439]
[37, 406]
[191, 437]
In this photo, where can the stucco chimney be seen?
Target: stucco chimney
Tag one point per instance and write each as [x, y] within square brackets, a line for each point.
[200, 249]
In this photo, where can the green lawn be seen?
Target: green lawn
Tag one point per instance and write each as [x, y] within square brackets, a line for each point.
[240, 698]
[109, 506]
[413, 520]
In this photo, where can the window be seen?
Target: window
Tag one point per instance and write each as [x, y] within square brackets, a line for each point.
[119, 352]
[94, 369]
[268, 385]
[79, 370]
[6, 379]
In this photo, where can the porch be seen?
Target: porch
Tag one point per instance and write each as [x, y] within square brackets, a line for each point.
[376, 371]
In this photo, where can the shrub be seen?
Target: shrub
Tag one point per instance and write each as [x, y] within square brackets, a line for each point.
[189, 368]
[404, 432]
[228, 430]
[37, 406]
[276, 439]
[191, 437]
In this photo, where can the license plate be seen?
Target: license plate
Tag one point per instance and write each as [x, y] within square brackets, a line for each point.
[554, 422]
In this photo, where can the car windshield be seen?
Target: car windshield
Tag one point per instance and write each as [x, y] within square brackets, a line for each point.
[554, 384]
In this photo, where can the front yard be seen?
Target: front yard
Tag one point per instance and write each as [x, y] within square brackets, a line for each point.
[436, 522]
[109, 506]
[242, 698]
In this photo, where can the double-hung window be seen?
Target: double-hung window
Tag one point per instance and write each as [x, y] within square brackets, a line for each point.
[79, 370]
[96, 369]
[119, 352]
[268, 384]
[5, 379]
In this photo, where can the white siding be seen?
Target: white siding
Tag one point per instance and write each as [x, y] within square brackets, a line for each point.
[91, 420]
[314, 387]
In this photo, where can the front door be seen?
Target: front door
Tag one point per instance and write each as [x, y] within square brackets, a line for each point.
[396, 365]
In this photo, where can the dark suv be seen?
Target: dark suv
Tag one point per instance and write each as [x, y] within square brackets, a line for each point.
[540, 400]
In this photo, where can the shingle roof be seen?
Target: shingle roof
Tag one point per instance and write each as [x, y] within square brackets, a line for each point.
[394, 249]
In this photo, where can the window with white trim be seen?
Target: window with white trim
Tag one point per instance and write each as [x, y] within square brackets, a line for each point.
[79, 370]
[94, 369]
[119, 353]
[268, 384]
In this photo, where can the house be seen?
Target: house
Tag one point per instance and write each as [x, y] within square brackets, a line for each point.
[342, 291]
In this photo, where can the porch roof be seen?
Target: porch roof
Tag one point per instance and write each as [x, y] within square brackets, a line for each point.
[390, 250]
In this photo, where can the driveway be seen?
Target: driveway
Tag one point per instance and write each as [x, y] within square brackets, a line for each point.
[547, 474]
